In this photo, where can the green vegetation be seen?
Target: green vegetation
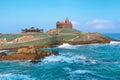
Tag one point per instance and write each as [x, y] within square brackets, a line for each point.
[69, 31]
[37, 42]
[11, 37]
[65, 35]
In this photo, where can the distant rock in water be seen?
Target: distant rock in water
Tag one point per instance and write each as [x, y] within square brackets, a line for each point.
[55, 53]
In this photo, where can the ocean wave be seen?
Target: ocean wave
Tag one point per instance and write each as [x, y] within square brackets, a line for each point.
[69, 59]
[115, 42]
[65, 58]
[67, 69]
[80, 72]
[60, 59]
[91, 61]
[68, 46]
[3, 51]
[74, 72]
[11, 76]
[15, 61]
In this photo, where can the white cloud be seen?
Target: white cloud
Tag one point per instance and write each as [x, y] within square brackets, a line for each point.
[75, 23]
[96, 21]
[101, 24]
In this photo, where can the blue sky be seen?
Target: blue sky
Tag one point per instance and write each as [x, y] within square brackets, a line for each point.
[86, 15]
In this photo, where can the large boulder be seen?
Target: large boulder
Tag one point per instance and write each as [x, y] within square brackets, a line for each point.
[30, 50]
[43, 54]
[15, 56]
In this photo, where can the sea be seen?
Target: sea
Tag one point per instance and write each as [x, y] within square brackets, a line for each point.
[74, 62]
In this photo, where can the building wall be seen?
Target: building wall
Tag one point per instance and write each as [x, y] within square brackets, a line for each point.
[64, 26]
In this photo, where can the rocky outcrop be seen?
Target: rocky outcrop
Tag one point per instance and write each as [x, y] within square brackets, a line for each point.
[43, 54]
[24, 39]
[30, 50]
[54, 31]
[29, 53]
[16, 56]
[3, 41]
[52, 40]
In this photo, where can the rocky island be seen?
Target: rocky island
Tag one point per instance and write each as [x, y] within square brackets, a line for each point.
[26, 43]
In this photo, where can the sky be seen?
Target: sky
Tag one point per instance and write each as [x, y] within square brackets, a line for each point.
[86, 15]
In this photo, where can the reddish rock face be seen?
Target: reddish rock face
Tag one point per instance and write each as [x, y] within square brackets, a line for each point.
[18, 56]
[29, 50]
[43, 53]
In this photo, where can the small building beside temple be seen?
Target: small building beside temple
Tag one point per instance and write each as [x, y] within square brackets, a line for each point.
[33, 30]
[64, 25]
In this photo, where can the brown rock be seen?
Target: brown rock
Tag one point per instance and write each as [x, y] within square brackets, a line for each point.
[55, 53]
[16, 56]
[48, 53]
[29, 50]
[42, 54]
[3, 41]
[24, 39]
[31, 46]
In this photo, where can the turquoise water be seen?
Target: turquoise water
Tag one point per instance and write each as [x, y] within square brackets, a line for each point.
[80, 62]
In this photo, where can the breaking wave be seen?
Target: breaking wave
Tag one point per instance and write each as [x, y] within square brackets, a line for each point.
[69, 59]
[115, 42]
[11, 76]
[3, 51]
[68, 46]
[60, 59]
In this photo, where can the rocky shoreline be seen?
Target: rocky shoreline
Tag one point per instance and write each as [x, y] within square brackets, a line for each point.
[29, 52]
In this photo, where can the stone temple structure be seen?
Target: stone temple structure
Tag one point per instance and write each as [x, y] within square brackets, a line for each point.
[64, 25]
[32, 29]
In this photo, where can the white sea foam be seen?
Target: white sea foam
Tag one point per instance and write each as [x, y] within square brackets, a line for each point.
[60, 59]
[68, 46]
[115, 42]
[2, 51]
[92, 61]
[15, 61]
[80, 72]
[82, 57]
[68, 59]
[65, 45]
[11, 76]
